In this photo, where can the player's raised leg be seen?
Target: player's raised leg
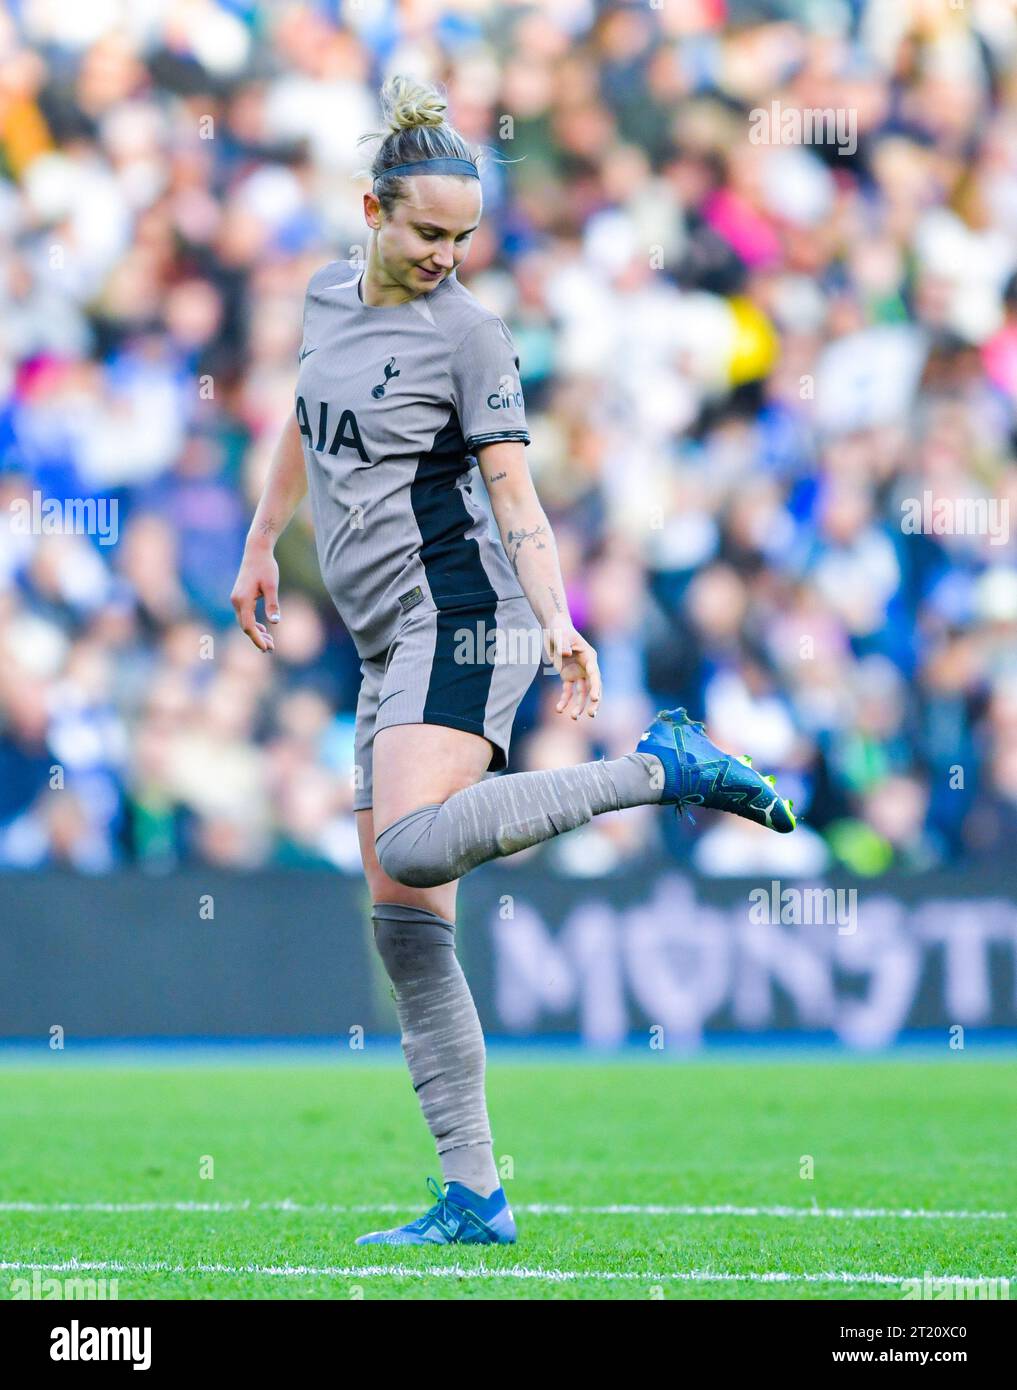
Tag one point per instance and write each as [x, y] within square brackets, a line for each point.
[425, 837]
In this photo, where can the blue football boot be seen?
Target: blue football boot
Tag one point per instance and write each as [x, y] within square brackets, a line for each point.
[458, 1217]
[698, 773]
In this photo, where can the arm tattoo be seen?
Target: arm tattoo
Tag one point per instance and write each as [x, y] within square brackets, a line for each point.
[498, 477]
[516, 539]
[267, 527]
[555, 600]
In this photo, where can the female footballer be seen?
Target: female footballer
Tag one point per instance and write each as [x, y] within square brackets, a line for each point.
[405, 383]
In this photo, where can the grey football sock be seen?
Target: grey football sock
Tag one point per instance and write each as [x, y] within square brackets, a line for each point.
[436, 844]
[442, 1040]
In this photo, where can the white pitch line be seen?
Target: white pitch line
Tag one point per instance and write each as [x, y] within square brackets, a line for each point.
[532, 1209]
[834, 1213]
[456, 1271]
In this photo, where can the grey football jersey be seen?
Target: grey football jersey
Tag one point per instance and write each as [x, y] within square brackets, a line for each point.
[390, 403]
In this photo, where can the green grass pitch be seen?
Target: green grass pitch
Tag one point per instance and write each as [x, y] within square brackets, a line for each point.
[297, 1144]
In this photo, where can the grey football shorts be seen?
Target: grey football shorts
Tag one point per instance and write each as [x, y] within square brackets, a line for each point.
[466, 668]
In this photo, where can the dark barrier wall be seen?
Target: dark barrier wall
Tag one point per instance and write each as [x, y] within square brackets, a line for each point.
[289, 953]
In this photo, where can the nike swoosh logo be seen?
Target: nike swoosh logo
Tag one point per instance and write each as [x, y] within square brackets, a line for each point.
[306, 354]
[390, 697]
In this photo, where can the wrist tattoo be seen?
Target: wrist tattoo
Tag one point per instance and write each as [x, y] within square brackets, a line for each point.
[555, 600]
[498, 477]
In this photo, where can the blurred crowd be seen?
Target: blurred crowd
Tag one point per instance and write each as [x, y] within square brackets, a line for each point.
[746, 357]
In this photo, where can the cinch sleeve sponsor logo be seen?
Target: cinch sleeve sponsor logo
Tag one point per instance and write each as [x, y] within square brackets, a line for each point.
[503, 398]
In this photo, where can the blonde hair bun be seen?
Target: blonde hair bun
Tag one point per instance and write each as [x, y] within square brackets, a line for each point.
[406, 103]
